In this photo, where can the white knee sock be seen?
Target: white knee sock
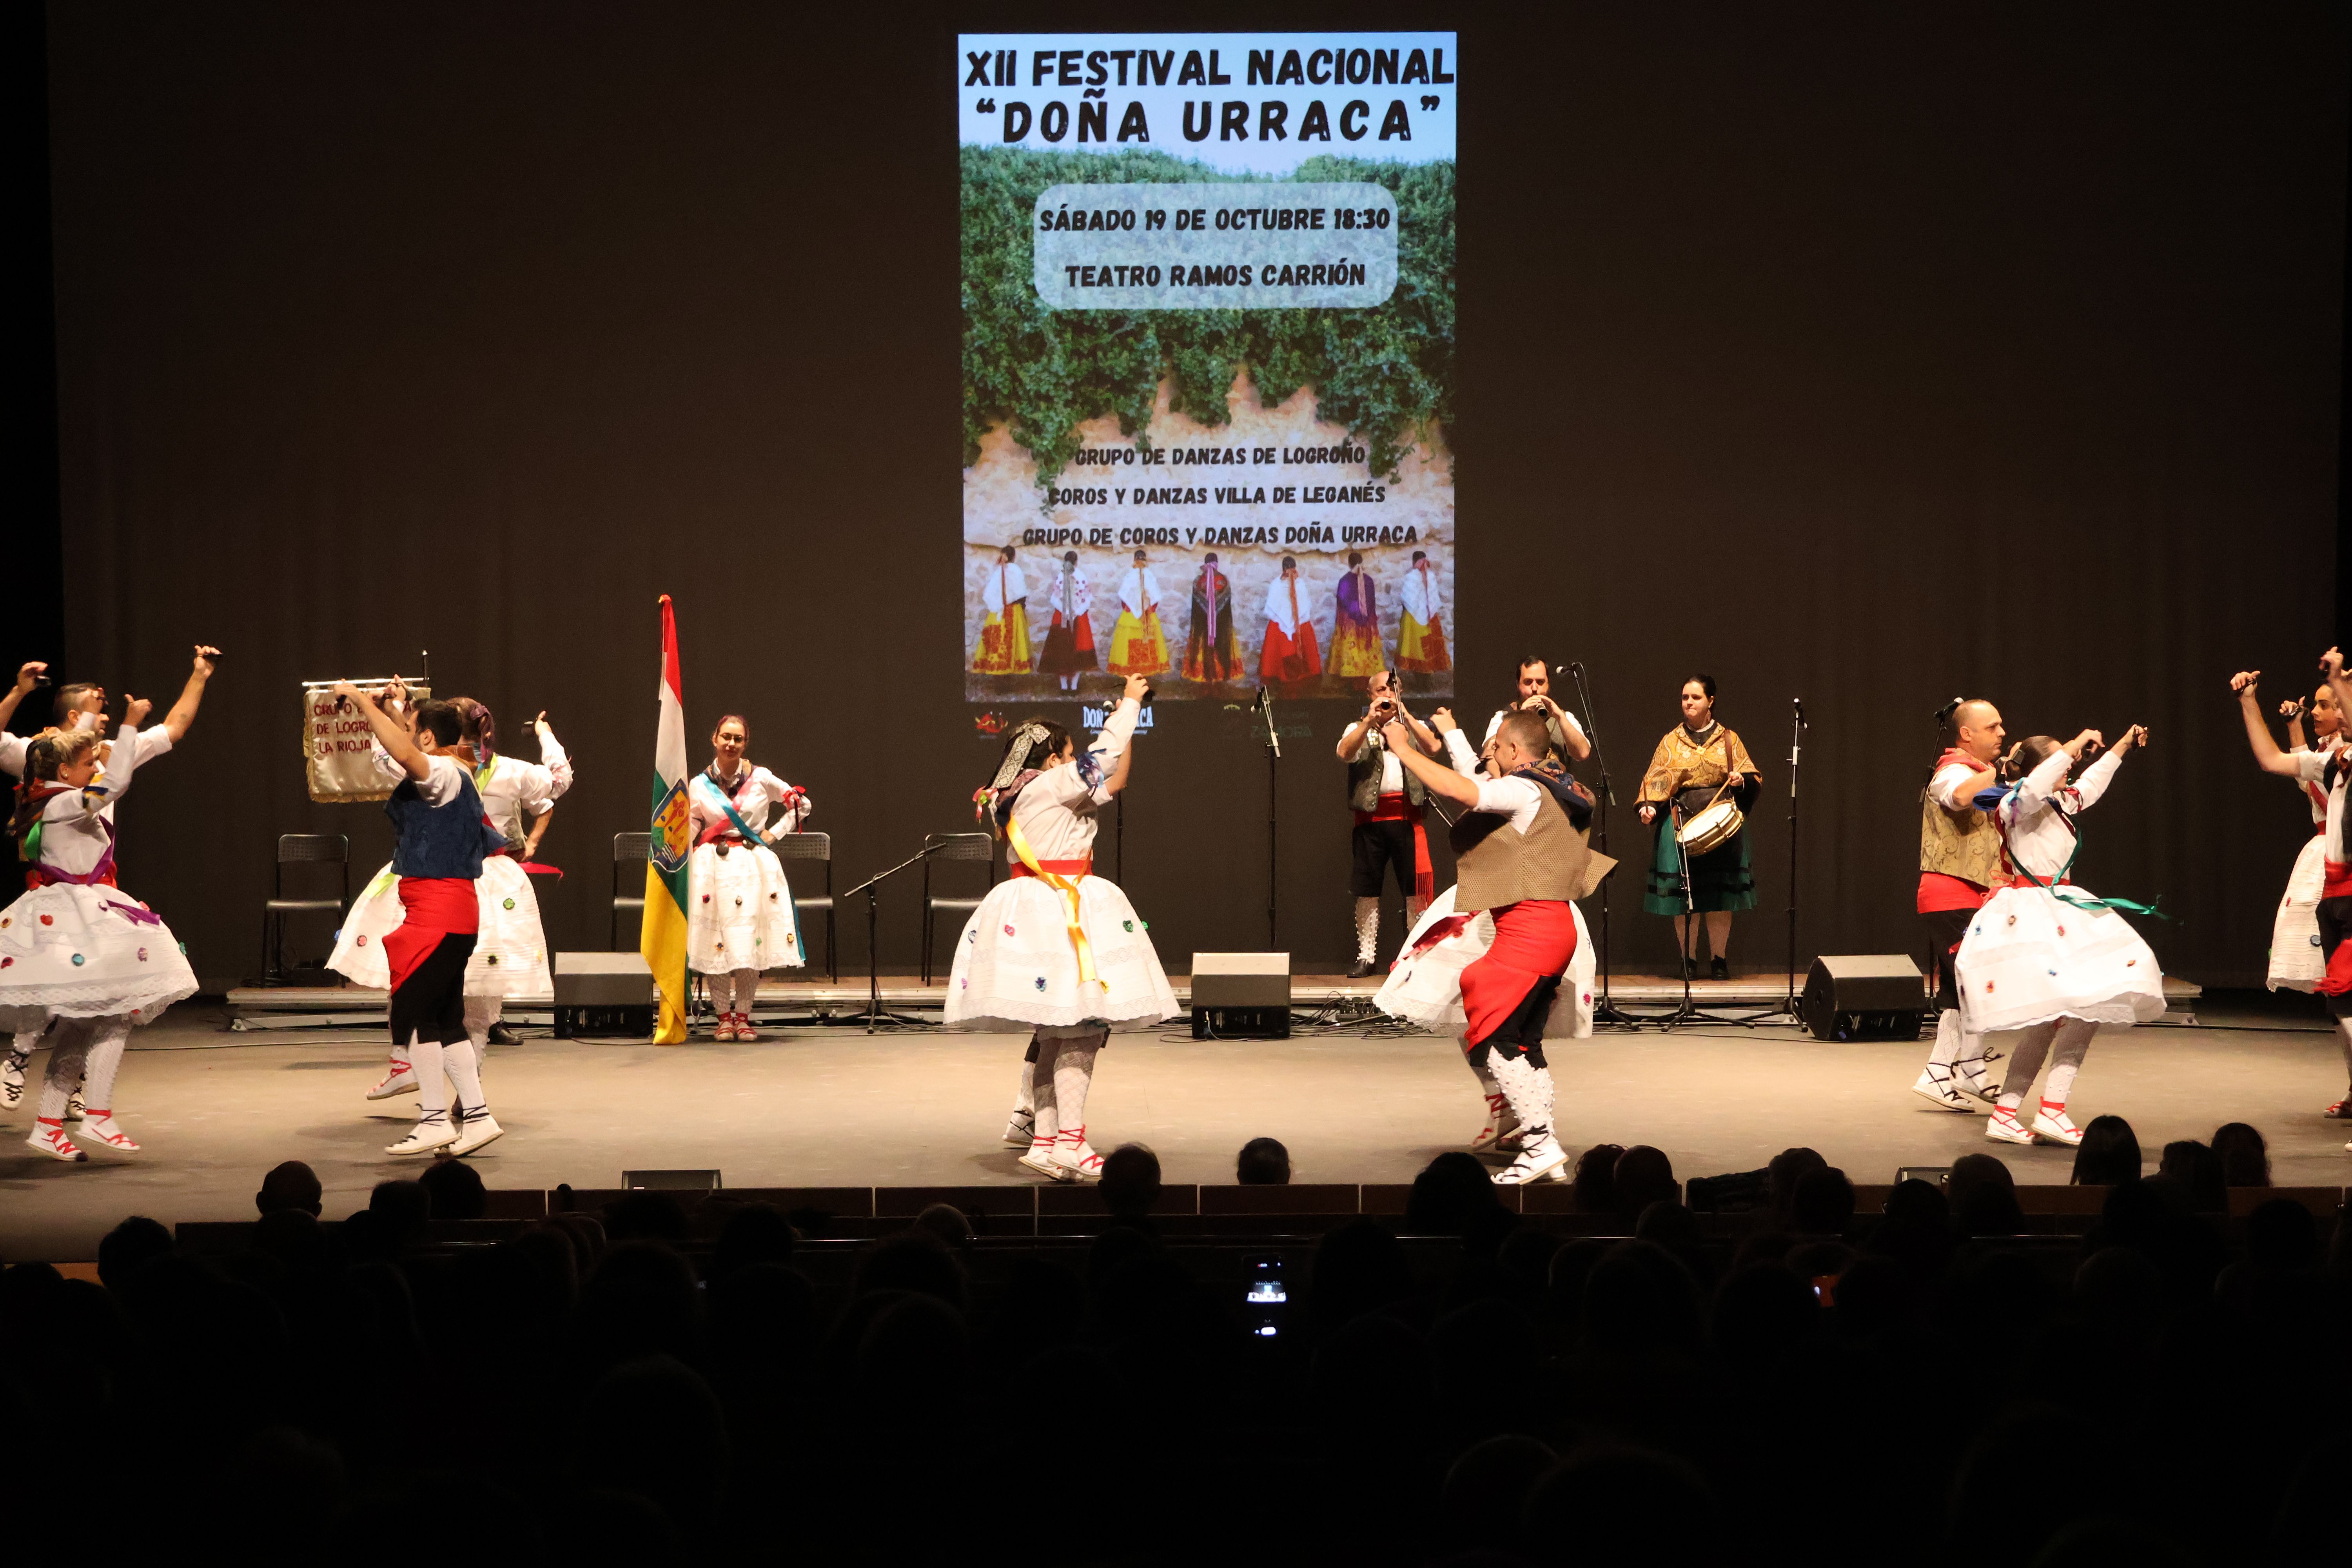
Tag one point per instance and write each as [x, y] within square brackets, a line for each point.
[460, 1062]
[1529, 1089]
[109, 1039]
[432, 1089]
[2025, 1063]
[1074, 1074]
[1367, 929]
[1947, 1041]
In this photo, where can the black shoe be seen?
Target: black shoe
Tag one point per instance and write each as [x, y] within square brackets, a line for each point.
[1719, 970]
[501, 1035]
[1690, 969]
[1359, 969]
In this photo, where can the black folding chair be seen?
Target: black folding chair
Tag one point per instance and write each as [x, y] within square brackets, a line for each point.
[628, 847]
[299, 850]
[952, 846]
[818, 848]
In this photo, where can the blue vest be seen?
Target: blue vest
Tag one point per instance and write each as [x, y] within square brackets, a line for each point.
[440, 840]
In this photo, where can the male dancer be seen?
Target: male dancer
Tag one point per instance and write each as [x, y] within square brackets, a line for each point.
[1959, 861]
[1387, 802]
[441, 838]
[1564, 734]
[1520, 854]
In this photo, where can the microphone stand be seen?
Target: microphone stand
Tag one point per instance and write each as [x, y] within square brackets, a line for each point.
[1272, 860]
[874, 1018]
[1788, 1005]
[1605, 1010]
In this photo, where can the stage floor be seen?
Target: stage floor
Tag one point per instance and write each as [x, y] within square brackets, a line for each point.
[838, 1106]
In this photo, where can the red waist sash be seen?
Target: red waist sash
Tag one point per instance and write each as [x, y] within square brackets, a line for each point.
[1085, 867]
[432, 907]
[2020, 879]
[2339, 882]
[1396, 808]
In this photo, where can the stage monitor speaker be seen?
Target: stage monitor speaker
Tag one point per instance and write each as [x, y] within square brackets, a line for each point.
[1241, 995]
[1864, 997]
[603, 994]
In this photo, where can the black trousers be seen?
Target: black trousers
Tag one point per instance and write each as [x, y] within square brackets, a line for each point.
[430, 1004]
[1944, 929]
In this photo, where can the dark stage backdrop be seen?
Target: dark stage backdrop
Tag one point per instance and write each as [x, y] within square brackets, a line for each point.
[1875, 354]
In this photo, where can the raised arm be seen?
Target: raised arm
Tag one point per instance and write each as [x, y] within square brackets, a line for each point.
[191, 695]
[2101, 773]
[2267, 755]
[396, 740]
[27, 677]
[1434, 777]
[2333, 663]
[115, 783]
[552, 757]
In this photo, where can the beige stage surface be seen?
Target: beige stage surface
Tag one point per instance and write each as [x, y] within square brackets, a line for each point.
[838, 1107]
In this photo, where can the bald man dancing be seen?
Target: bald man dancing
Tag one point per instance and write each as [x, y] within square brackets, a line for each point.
[1959, 860]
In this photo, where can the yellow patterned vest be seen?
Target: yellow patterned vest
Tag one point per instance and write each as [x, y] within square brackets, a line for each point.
[1963, 844]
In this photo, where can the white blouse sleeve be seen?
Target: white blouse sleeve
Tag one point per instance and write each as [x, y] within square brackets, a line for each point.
[1458, 751]
[2095, 779]
[68, 805]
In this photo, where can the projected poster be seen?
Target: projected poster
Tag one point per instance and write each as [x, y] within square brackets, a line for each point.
[1208, 362]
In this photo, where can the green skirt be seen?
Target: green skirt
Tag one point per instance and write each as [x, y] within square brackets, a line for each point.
[1720, 878]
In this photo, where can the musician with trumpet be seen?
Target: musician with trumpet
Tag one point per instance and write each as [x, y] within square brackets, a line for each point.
[1697, 793]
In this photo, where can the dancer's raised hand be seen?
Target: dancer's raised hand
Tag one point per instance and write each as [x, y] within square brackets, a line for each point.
[135, 710]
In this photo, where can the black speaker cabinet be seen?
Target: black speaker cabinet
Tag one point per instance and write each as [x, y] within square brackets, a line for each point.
[1864, 997]
[603, 994]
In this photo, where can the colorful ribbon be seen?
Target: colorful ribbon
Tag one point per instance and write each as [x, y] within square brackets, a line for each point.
[1062, 885]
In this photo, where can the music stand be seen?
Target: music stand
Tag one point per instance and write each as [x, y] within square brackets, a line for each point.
[1605, 1010]
[874, 1018]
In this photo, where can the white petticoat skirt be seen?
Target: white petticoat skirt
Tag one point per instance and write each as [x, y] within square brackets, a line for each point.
[1426, 987]
[739, 911]
[79, 951]
[2029, 958]
[510, 950]
[1015, 966]
[2298, 961]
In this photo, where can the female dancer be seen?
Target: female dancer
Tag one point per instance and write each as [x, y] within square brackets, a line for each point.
[2315, 893]
[2044, 956]
[2297, 961]
[1070, 639]
[1502, 958]
[510, 956]
[1054, 948]
[76, 947]
[739, 916]
[1687, 773]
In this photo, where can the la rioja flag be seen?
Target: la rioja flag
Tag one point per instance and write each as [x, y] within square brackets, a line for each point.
[663, 937]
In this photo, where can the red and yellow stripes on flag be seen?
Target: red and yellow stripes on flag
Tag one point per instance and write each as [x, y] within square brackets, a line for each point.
[662, 939]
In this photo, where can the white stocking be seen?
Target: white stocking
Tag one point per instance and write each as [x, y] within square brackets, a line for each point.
[1025, 1097]
[1046, 1109]
[109, 1036]
[1074, 1074]
[2074, 1043]
[1415, 906]
[1367, 929]
[68, 1055]
[481, 1014]
[746, 988]
[1529, 1090]
[1948, 1042]
[2025, 1063]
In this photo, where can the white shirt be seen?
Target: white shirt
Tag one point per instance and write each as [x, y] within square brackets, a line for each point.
[1568, 724]
[1055, 810]
[1421, 597]
[1944, 789]
[153, 742]
[1518, 799]
[1072, 586]
[1005, 585]
[1282, 605]
[516, 789]
[2039, 841]
[754, 794]
[2311, 768]
[74, 822]
[1139, 591]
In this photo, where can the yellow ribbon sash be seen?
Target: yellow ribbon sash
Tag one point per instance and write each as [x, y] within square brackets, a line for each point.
[1062, 885]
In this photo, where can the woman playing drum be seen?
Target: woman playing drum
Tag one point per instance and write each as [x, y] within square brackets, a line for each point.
[1700, 784]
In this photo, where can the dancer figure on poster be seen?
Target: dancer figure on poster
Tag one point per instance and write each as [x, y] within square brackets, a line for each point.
[1290, 657]
[2331, 913]
[1503, 956]
[1213, 651]
[1959, 864]
[2043, 962]
[1070, 637]
[1356, 648]
[1687, 772]
[82, 706]
[1563, 733]
[1053, 949]
[739, 914]
[1138, 646]
[1420, 633]
[440, 838]
[509, 954]
[1005, 621]
[1387, 802]
[75, 949]
[2299, 960]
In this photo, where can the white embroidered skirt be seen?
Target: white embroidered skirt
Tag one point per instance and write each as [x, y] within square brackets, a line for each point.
[510, 950]
[2028, 957]
[87, 953]
[1425, 986]
[2298, 961]
[739, 911]
[1015, 966]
